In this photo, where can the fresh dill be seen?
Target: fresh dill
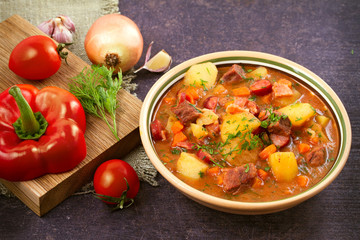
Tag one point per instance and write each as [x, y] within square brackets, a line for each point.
[97, 91]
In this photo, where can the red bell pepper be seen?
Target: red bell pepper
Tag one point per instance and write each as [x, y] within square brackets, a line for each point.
[41, 131]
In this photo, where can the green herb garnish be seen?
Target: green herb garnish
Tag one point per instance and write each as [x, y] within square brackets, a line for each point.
[96, 89]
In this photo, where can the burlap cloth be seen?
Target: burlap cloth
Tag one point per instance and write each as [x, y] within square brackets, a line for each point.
[83, 13]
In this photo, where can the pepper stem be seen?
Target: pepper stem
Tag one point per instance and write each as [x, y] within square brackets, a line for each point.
[28, 125]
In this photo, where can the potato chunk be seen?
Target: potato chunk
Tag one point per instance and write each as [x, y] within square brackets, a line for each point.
[284, 101]
[207, 117]
[201, 75]
[198, 130]
[243, 122]
[322, 120]
[298, 113]
[260, 72]
[190, 166]
[170, 122]
[283, 166]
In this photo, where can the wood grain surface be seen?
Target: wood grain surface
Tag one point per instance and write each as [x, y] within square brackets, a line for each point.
[44, 193]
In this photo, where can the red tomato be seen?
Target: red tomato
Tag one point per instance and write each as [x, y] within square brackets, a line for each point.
[35, 58]
[109, 180]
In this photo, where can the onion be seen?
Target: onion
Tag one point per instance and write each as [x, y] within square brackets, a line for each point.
[114, 41]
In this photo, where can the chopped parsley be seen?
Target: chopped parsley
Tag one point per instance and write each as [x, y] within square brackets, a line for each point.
[198, 110]
[247, 168]
[252, 98]
[175, 151]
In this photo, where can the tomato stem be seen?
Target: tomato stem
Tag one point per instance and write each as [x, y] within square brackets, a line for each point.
[121, 202]
[62, 54]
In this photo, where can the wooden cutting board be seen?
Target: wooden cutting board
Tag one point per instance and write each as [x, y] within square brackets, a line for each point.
[44, 193]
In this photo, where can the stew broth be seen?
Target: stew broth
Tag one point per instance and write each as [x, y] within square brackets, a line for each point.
[315, 134]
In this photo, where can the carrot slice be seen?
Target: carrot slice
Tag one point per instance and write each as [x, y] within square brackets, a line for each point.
[241, 92]
[219, 89]
[220, 180]
[264, 154]
[302, 180]
[258, 183]
[303, 147]
[177, 127]
[178, 137]
[191, 94]
[214, 171]
[170, 100]
[262, 174]
[267, 98]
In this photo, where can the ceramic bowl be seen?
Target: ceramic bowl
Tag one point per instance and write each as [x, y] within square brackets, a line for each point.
[304, 75]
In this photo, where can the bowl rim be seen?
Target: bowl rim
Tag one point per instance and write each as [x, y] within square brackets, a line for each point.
[258, 58]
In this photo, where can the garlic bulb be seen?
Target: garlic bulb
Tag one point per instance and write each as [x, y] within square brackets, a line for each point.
[60, 28]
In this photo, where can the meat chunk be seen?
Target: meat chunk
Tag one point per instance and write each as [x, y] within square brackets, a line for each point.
[279, 140]
[281, 90]
[157, 131]
[233, 75]
[213, 129]
[253, 108]
[205, 156]
[186, 144]
[261, 87]
[234, 177]
[280, 127]
[211, 103]
[263, 115]
[316, 156]
[186, 113]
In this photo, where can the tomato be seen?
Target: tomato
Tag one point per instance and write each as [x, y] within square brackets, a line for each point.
[35, 58]
[116, 182]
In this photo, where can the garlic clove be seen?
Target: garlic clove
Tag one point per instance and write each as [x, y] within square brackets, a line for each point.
[62, 34]
[47, 27]
[68, 23]
[161, 62]
[59, 28]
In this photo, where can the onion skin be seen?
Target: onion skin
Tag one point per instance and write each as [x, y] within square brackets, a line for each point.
[114, 41]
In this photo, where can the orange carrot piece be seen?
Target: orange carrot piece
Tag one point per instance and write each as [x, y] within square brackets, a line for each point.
[220, 180]
[191, 94]
[170, 100]
[302, 180]
[303, 147]
[314, 139]
[179, 137]
[241, 92]
[267, 98]
[177, 127]
[258, 183]
[219, 89]
[213, 171]
[264, 154]
[286, 82]
[262, 174]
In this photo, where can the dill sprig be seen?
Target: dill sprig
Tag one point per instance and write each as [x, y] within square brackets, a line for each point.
[96, 89]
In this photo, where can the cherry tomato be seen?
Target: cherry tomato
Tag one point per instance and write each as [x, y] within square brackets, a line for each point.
[35, 58]
[116, 179]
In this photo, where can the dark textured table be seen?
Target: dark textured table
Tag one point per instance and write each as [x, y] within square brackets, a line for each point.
[323, 36]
